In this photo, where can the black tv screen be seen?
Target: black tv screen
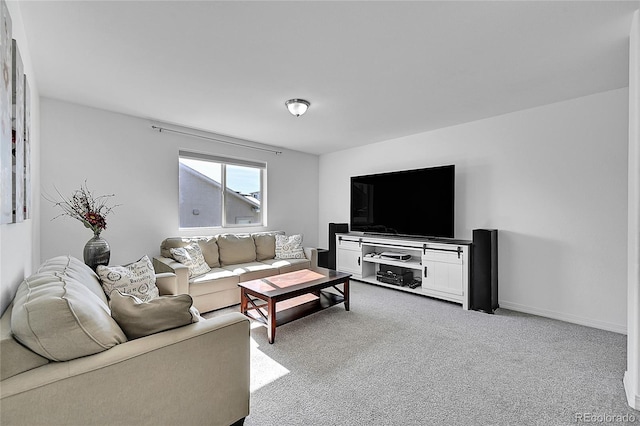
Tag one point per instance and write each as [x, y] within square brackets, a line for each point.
[416, 202]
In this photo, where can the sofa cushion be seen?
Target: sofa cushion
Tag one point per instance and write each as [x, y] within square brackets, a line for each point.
[265, 244]
[236, 248]
[61, 318]
[137, 278]
[15, 358]
[213, 275]
[216, 280]
[208, 246]
[252, 270]
[191, 256]
[76, 270]
[138, 319]
[173, 242]
[289, 247]
[289, 265]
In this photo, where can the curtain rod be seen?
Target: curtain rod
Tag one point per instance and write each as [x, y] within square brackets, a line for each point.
[164, 129]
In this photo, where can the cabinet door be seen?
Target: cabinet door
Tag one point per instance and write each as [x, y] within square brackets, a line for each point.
[349, 261]
[443, 272]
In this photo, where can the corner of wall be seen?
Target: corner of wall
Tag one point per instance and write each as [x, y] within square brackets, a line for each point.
[20, 242]
[632, 375]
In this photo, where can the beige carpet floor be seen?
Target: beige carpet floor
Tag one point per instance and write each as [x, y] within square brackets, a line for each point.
[402, 359]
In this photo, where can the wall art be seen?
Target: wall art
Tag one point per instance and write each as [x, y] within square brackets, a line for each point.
[6, 92]
[27, 150]
[17, 133]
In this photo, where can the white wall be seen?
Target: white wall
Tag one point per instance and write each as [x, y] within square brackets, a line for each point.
[632, 375]
[20, 242]
[122, 155]
[552, 179]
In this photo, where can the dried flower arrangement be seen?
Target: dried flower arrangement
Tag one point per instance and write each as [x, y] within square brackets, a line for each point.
[85, 207]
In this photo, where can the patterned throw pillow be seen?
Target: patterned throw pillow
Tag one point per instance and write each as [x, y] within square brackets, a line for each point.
[191, 256]
[289, 247]
[137, 278]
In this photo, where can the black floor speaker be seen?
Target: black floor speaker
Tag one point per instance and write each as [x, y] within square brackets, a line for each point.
[335, 228]
[484, 270]
[323, 258]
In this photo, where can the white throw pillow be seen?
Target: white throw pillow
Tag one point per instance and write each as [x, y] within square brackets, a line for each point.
[137, 278]
[192, 257]
[289, 247]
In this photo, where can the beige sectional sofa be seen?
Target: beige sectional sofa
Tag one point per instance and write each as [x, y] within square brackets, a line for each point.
[233, 258]
[65, 361]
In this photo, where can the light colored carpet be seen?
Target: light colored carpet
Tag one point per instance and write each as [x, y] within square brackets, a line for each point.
[403, 359]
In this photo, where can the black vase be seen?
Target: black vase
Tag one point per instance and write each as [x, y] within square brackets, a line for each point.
[96, 252]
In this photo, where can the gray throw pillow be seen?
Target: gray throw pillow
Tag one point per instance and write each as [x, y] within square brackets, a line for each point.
[138, 319]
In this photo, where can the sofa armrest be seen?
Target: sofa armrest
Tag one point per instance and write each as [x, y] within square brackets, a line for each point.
[311, 253]
[114, 386]
[167, 284]
[166, 264]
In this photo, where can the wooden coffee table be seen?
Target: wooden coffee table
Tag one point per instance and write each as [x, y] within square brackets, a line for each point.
[293, 295]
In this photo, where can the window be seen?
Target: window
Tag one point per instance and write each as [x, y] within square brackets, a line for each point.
[204, 203]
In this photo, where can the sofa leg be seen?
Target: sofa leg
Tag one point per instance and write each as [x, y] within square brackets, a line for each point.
[239, 422]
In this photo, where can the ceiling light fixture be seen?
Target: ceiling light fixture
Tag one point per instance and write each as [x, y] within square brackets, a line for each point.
[297, 107]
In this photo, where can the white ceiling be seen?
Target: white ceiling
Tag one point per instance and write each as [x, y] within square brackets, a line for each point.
[372, 70]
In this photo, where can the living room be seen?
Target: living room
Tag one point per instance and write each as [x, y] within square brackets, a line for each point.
[553, 177]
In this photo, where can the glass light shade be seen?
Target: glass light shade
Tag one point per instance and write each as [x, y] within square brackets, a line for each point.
[297, 107]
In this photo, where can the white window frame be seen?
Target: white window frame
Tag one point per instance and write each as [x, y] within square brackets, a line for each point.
[224, 162]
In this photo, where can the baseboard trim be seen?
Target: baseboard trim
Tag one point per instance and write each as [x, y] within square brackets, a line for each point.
[632, 399]
[602, 325]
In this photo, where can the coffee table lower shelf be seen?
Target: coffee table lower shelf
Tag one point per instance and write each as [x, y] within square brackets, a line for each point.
[295, 308]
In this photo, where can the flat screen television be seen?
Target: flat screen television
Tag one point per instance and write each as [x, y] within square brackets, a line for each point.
[416, 202]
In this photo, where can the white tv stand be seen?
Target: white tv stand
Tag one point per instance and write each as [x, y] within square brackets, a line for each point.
[440, 265]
